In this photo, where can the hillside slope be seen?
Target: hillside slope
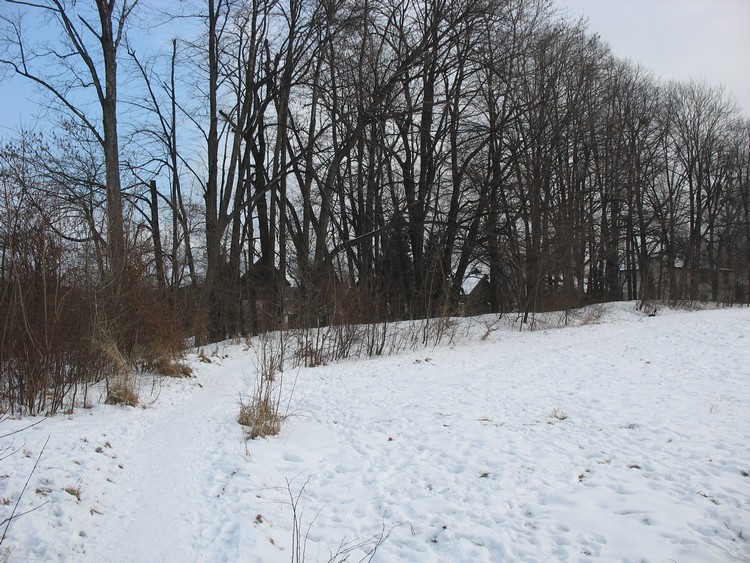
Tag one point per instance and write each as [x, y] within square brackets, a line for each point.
[626, 439]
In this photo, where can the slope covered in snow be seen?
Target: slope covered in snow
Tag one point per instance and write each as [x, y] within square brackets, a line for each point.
[622, 439]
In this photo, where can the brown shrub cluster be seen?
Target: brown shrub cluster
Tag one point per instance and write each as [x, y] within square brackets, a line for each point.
[60, 333]
[47, 355]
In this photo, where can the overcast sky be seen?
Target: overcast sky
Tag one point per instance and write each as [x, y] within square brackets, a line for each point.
[678, 39]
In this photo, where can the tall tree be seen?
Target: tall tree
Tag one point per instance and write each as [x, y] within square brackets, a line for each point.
[86, 57]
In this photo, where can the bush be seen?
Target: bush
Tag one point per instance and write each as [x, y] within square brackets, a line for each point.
[122, 393]
[139, 320]
[170, 368]
[262, 413]
[59, 332]
[46, 351]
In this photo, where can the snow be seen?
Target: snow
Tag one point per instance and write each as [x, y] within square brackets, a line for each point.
[622, 439]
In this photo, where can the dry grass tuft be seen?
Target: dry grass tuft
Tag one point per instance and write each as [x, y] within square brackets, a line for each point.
[261, 414]
[310, 356]
[170, 368]
[261, 417]
[122, 393]
[74, 491]
[593, 314]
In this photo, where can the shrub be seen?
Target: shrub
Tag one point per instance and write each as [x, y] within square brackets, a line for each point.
[170, 367]
[139, 319]
[593, 314]
[62, 330]
[122, 392]
[261, 416]
[262, 413]
[46, 350]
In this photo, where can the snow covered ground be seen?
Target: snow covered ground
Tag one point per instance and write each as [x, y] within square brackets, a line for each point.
[625, 439]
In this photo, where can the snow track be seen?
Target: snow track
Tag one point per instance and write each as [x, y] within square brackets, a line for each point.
[176, 476]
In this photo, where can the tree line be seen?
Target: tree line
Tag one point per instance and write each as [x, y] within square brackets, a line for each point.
[308, 161]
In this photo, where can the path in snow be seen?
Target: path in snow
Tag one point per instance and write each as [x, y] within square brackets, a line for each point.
[177, 470]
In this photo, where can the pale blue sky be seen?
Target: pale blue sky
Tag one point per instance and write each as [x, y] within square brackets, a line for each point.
[678, 39]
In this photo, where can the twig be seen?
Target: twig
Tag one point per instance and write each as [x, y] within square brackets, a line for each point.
[22, 429]
[13, 513]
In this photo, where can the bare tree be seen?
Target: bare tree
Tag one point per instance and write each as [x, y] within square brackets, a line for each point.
[699, 118]
[85, 58]
[158, 137]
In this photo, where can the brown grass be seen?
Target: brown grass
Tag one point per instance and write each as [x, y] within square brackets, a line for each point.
[74, 491]
[170, 368]
[122, 393]
[593, 314]
[261, 417]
